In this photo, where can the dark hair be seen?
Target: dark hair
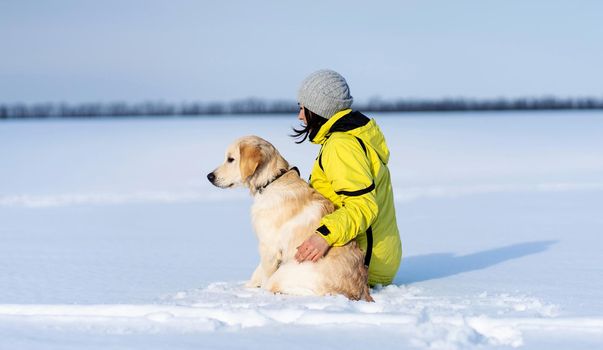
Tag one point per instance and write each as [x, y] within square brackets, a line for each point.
[313, 124]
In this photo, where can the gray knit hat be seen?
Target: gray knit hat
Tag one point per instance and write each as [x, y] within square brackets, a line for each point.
[325, 92]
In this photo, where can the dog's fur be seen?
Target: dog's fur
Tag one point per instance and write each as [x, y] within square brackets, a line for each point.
[286, 211]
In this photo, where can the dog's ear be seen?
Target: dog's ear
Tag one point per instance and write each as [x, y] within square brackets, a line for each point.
[250, 159]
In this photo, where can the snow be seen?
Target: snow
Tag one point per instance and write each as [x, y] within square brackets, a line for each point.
[111, 237]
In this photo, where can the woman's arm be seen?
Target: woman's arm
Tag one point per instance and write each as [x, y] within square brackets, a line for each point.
[348, 169]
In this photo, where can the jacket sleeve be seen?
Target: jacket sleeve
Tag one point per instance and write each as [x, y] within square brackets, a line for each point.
[348, 169]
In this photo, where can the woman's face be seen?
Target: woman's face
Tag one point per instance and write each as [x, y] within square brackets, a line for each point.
[302, 116]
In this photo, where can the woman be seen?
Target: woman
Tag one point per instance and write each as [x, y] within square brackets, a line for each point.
[351, 171]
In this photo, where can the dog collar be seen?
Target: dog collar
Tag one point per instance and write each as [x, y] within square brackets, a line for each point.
[282, 172]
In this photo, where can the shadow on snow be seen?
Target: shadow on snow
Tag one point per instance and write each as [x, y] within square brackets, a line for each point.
[432, 266]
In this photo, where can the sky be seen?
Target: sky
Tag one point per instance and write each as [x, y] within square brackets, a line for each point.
[180, 50]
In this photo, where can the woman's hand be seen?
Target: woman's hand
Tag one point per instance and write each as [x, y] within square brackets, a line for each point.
[312, 249]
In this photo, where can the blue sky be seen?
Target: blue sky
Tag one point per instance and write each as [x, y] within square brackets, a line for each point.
[76, 51]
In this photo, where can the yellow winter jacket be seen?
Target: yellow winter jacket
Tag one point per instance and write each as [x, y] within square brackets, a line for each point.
[351, 171]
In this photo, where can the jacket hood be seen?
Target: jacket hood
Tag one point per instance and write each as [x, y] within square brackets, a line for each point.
[358, 125]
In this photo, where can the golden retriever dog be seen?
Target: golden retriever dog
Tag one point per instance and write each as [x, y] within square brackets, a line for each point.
[285, 212]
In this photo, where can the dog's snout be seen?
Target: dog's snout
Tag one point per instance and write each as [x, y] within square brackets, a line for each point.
[211, 177]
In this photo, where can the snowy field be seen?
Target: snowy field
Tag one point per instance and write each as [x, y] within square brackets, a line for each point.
[112, 238]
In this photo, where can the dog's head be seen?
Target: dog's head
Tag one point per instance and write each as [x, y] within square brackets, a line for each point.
[247, 161]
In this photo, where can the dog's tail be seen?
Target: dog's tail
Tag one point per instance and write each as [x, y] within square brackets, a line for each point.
[366, 296]
[353, 274]
[362, 290]
[365, 292]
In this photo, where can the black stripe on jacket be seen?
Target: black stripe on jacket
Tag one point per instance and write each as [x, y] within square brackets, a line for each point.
[359, 192]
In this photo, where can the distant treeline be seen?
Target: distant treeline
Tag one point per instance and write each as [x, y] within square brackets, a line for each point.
[258, 106]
